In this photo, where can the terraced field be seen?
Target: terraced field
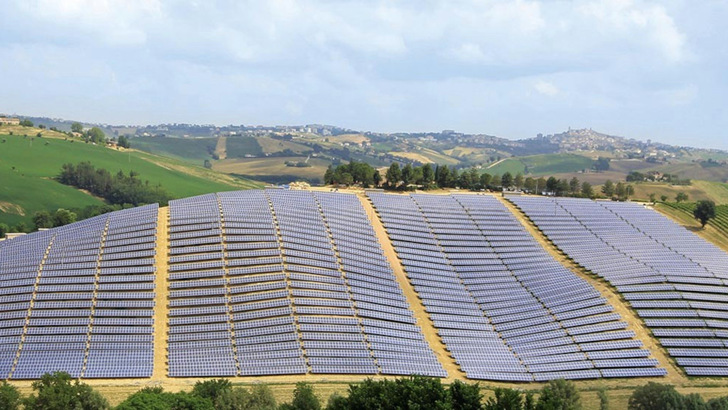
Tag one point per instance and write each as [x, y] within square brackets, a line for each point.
[720, 222]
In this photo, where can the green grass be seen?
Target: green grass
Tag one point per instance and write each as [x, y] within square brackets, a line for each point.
[27, 171]
[720, 222]
[195, 150]
[238, 147]
[549, 164]
[513, 165]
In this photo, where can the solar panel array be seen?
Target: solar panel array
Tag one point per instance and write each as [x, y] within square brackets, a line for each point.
[285, 282]
[80, 298]
[676, 282]
[504, 308]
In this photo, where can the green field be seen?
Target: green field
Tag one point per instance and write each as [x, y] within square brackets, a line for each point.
[549, 164]
[541, 165]
[27, 169]
[720, 222]
[512, 165]
[195, 150]
[239, 147]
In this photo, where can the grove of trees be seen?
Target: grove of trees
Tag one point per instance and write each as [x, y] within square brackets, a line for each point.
[116, 189]
[58, 391]
[408, 177]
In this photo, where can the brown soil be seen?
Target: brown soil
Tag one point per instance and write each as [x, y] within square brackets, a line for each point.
[11, 208]
[160, 308]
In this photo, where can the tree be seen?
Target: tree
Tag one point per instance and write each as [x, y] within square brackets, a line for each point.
[211, 389]
[21, 227]
[682, 196]
[574, 185]
[505, 399]
[42, 219]
[663, 198]
[485, 179]
[328, 175]
[608, 188]
[303, 398]
[63, 217]
[124, 142]
[57, 391]
[529, 403]
[541, 185]
[259, 398]
[552, 184]
[496, 181]
[337, 402]
[26, 123]
[601, 164]
[394, 175]
[562, 187]
[77, 127]
[559, 394]
[704, 211]
[465, 396]
[428, 175]
[586, 190]
[518, 181]
[621, 191]
[655, 396]
[507, 180]
[407, 175]
[530, 185]
[9, 396]
[96, 135]
[377, 177]
[4, 229]
[652, 197]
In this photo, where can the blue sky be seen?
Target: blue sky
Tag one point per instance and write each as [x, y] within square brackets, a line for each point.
[639, 69]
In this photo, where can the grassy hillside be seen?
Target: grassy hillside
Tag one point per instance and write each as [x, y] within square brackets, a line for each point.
[195, 150]
[541, 165]
[717, 229]
[28, 166]
[549, 164]
[513, 165]
[274, 169]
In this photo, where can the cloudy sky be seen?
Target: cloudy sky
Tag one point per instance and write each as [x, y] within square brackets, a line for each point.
[636, 68]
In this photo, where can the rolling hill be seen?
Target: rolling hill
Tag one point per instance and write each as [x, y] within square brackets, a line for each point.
[29, 164]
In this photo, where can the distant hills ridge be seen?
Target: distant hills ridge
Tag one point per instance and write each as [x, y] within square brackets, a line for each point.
[584, 139]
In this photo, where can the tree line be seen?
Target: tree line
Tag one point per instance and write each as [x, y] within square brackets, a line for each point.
[58, 391]
[116, 189]
[428, 177]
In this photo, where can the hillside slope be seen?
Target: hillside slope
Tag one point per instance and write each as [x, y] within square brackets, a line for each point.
[29, 164]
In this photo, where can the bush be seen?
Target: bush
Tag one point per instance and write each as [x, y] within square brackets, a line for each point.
[211, 389]
[655, 396]
[155, 398]
[303, 399]
[505, 399]
[9, 397]
[559, 394]
[260, 397]
[57, 392]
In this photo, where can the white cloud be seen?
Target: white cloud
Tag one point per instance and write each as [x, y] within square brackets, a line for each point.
[546, 88]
